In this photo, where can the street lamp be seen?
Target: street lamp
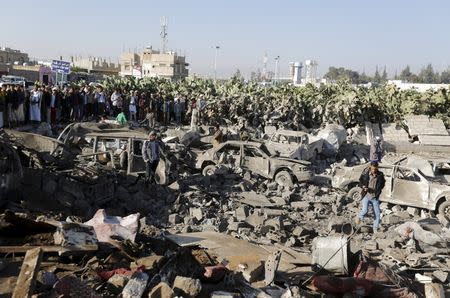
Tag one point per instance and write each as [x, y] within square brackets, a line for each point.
[277, 58]
[216, 49]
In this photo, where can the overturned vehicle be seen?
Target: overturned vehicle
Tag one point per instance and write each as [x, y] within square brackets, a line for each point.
[255, 157]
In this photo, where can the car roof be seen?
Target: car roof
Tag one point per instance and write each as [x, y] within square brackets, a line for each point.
[291, 133]
[251, 143]
[106, 130]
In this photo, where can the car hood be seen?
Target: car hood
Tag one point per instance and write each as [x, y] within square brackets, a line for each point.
[302, 162]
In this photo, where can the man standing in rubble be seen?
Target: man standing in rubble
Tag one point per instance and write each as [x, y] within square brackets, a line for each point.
[150, 154]
[372, 183]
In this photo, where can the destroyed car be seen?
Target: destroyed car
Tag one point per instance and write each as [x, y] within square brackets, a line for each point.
[116, 146]
[405, 186]
[294, 144]
[11, 171]
[254, 157]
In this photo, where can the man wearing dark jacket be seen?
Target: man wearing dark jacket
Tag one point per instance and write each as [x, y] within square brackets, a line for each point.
[151, 156]
[372, 183]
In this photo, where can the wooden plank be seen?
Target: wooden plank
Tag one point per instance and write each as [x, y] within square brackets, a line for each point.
[52, 248]
[28, 273]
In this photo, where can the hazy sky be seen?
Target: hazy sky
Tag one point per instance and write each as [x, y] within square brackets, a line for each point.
[349, 33]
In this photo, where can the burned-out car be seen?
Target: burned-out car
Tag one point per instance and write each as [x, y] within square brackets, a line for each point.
[11, 172]
[255, 157]
[294, 144]
[405, 186]
[116, 146]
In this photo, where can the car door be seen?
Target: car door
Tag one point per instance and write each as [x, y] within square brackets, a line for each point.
[409, 188]
[386, 193]
[255, 160]
[136, 163]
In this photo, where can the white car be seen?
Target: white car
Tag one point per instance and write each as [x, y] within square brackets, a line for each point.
[294, 144]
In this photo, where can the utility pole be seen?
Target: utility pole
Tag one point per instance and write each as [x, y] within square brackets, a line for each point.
[216, 49]
[277, 58]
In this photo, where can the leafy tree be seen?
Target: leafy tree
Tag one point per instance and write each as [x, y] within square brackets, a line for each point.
[427, 75]
[384, 75]
[406, 74]
[445, 77]
[376, 76]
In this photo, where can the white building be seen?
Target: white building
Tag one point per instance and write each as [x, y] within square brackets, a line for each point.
[417, 86]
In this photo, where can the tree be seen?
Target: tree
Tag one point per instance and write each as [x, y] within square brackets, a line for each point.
[384, 75]
[376, 76]
[427, 75]
[335, 74]
[445, 77]
[406, 74]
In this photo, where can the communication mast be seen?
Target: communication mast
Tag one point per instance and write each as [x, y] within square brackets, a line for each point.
[164, 24]
[264, 72]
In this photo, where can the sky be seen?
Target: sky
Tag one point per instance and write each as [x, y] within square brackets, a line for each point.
[353, 34]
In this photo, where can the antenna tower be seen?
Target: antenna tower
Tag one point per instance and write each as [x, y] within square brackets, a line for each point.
[163, 34]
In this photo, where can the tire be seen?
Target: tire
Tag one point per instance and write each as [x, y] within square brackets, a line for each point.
[284, 178]
[355, 194]
[209, 170]
[444, 209]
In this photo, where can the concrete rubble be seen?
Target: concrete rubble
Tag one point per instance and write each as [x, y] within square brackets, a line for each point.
[91, 228]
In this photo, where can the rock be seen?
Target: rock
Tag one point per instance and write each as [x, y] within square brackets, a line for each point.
[174, 219]
[300, 205]
[196, 212]
[396, 209]
[385, 243]
[73, 234]
[118, 280]
[255, 219]
[161, 290]
[186, 287]
[135, 286]
[252, 271]
[235, 226]
[241, 213]
[413, 211]
[441, 276]
[149, 262]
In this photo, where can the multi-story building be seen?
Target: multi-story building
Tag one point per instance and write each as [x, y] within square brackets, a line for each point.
[8, 55]
[95, 65]
[153, 63]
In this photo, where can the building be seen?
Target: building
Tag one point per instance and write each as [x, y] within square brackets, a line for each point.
[417, 86]
[153, 63]
[8, 55]
[33, 73]
[95, 65]
[296, 72]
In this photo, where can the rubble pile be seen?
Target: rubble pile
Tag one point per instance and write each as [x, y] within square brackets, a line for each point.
[86, 227]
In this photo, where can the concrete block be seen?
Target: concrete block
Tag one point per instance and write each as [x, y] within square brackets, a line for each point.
[174, 219]
[241, 213]
[300, 205]
[186, 287]
[161, 290]
[197, 213]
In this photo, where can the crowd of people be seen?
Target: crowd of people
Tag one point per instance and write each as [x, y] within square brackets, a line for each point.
[53, 105]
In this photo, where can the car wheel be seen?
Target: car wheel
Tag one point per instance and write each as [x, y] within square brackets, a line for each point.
[284, 178]
[355, 194]
[444, 209]
[209, 170]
